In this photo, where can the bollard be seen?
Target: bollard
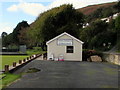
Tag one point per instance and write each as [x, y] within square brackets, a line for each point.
[30, 57]
[24, 60]
[27, 58]
[14, 64]
[6, 68]
[20, 61]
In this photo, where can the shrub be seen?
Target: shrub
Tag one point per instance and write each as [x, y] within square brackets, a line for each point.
[87, 53]
[37, 49]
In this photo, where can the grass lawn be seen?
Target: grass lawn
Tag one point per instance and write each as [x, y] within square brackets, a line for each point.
[9, 79]
[9, 59]
[32, 52]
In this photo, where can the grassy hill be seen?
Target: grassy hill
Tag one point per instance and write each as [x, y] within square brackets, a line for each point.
[90, 9]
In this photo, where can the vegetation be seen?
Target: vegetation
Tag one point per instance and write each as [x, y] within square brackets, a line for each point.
[3, 34]
[14, 37]
[32, 70]
[99, 35]
[9, 79]
[35, 50]
[54, 22]
[9, 59]
[48, 25]
[117, 27]
[92, 8]
[87, 53]
[103, 12]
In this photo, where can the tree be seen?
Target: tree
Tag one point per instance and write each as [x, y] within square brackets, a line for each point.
[15, 38]
[98, 26]
[90, 33]
[117, 6]
[4, 34]
[16, 31]
[6, 41]
[117, 27]
[54, 22]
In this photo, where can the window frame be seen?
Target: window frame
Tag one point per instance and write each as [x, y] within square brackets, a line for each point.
[68, 49]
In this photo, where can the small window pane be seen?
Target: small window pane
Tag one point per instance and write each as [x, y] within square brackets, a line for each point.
[69, 49]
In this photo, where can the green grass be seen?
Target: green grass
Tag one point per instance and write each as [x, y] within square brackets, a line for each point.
[118, 51]
[9, 59]
[1, 75]
[32, 70]
[9, 79]
[32, 52]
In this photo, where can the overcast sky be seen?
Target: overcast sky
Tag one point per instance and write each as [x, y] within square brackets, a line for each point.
[15, 11]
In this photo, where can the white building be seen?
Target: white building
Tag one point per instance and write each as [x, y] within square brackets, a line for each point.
[85, 25]
[115, 15]
[106, 19]
[66, 47]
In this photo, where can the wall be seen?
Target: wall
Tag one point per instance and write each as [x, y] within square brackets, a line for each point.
[112, 58]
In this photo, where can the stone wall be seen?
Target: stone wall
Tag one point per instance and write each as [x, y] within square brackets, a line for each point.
[112, 58]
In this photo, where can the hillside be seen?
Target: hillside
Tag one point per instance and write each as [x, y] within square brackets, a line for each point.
[67, 19]
[90, 9]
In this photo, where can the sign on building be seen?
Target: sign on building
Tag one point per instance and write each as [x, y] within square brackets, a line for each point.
[66, 42]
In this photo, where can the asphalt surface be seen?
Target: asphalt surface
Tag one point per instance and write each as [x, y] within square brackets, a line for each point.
[61, 74]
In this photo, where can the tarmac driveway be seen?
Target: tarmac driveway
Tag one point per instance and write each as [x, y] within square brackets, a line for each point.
[68, 75]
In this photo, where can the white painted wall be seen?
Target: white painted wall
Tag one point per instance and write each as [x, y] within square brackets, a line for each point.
[56, 50]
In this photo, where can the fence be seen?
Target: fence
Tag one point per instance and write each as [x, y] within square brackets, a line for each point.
[10, 50]
[16, 65]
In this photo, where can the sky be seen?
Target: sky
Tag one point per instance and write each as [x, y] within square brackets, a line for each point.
[14, 11]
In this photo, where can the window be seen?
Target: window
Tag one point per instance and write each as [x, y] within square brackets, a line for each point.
[69, 49]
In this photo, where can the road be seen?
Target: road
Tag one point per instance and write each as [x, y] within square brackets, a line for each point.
[64, 74]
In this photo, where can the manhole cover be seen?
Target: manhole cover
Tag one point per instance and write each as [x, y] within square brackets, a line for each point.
[32, 70]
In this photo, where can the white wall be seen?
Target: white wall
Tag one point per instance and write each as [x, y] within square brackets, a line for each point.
[52, 47]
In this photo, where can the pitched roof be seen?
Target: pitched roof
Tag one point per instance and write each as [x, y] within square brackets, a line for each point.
[62, 35]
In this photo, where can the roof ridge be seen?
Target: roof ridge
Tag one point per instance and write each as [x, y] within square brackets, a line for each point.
[62, 35]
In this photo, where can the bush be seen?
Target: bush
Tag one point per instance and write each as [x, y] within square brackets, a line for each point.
[37, 49]
[87, 53]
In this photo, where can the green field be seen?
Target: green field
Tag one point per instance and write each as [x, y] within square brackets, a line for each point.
[9, 59]
[9, 79]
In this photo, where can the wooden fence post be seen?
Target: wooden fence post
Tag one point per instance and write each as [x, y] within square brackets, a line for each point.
[24, 60]
[14, 64]
[20, 61]
[6, 68]
[27, 58]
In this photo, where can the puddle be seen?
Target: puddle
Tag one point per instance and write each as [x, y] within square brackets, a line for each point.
[32, 70]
